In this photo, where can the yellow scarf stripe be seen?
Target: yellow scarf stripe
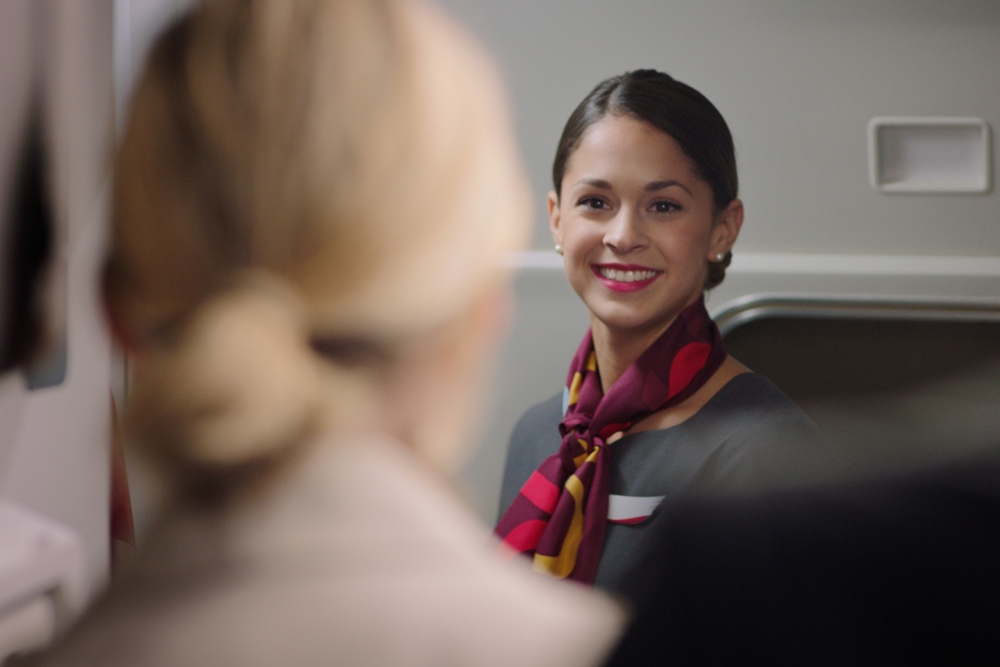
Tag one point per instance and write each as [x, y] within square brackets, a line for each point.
[579, 460]
[592, 362]
[562, 565]
[574, 388]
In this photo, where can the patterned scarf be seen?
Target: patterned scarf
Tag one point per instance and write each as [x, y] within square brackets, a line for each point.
[559, 515]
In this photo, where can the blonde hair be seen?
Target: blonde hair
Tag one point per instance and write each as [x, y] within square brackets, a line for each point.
[294, 172]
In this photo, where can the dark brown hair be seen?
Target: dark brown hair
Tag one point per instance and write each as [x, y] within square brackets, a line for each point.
[674, 108]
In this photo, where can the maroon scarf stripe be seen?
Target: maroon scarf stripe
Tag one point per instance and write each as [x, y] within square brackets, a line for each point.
[551, 542]
[674, 367]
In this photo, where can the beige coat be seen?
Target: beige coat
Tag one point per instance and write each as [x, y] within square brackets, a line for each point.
[357, 556]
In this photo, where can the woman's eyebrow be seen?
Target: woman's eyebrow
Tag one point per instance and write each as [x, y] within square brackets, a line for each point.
[663, 185]
[595, 182]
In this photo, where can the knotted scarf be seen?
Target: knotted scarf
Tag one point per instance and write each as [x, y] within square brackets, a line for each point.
[559, 516]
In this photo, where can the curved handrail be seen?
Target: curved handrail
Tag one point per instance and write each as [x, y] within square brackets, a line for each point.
[750, 308]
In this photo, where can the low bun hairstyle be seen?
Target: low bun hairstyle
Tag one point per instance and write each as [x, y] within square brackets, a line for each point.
[675, 109]
[296, 173]
[235, 384]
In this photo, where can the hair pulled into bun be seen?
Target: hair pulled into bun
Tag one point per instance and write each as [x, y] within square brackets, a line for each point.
[292, 172]
[236, 384]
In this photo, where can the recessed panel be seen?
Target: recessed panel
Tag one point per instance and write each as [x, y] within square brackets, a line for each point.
[929, 155]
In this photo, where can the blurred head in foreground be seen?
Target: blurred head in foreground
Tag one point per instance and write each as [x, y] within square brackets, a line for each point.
[312, 199]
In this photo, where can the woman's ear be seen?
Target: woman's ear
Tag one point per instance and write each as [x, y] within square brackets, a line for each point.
[728, 223]
[553, 202]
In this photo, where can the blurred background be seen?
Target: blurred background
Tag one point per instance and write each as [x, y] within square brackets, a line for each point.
[836, 287]
[869, 261]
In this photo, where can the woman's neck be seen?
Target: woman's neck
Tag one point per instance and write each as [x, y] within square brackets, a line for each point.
[617, 349]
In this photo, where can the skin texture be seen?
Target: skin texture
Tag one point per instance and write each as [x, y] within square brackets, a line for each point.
[632, 199]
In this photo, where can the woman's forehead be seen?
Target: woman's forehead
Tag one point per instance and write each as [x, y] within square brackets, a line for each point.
[618, 148]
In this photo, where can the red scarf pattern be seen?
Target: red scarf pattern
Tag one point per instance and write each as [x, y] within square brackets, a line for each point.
[559, 516]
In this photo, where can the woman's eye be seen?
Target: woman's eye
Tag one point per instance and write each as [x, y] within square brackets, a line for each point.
[595, 203]
[662, 206]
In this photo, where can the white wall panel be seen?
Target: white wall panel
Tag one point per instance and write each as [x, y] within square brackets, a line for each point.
[797, 80]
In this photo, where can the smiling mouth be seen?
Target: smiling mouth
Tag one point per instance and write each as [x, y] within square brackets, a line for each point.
[625, 278]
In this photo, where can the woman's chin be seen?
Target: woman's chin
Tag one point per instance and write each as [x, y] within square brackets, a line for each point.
[638, 312]
[628, 322]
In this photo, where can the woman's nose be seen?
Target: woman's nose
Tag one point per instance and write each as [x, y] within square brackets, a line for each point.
[624, 233]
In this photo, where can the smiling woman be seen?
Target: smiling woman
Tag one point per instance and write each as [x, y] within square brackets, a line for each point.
[638, 226]
[645, 212]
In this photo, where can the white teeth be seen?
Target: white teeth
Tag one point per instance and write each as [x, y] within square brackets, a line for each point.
[626, 276]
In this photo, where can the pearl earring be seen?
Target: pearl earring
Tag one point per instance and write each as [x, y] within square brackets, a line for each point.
[719, 257]
[559, 249]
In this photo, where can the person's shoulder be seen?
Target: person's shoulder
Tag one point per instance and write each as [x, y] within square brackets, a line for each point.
[547, 411]
[765, 439]
[540, 419]
[372, 571]
[515, 616]
[485, 604]
[751, 402]
[535, 437]
[754, 390]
